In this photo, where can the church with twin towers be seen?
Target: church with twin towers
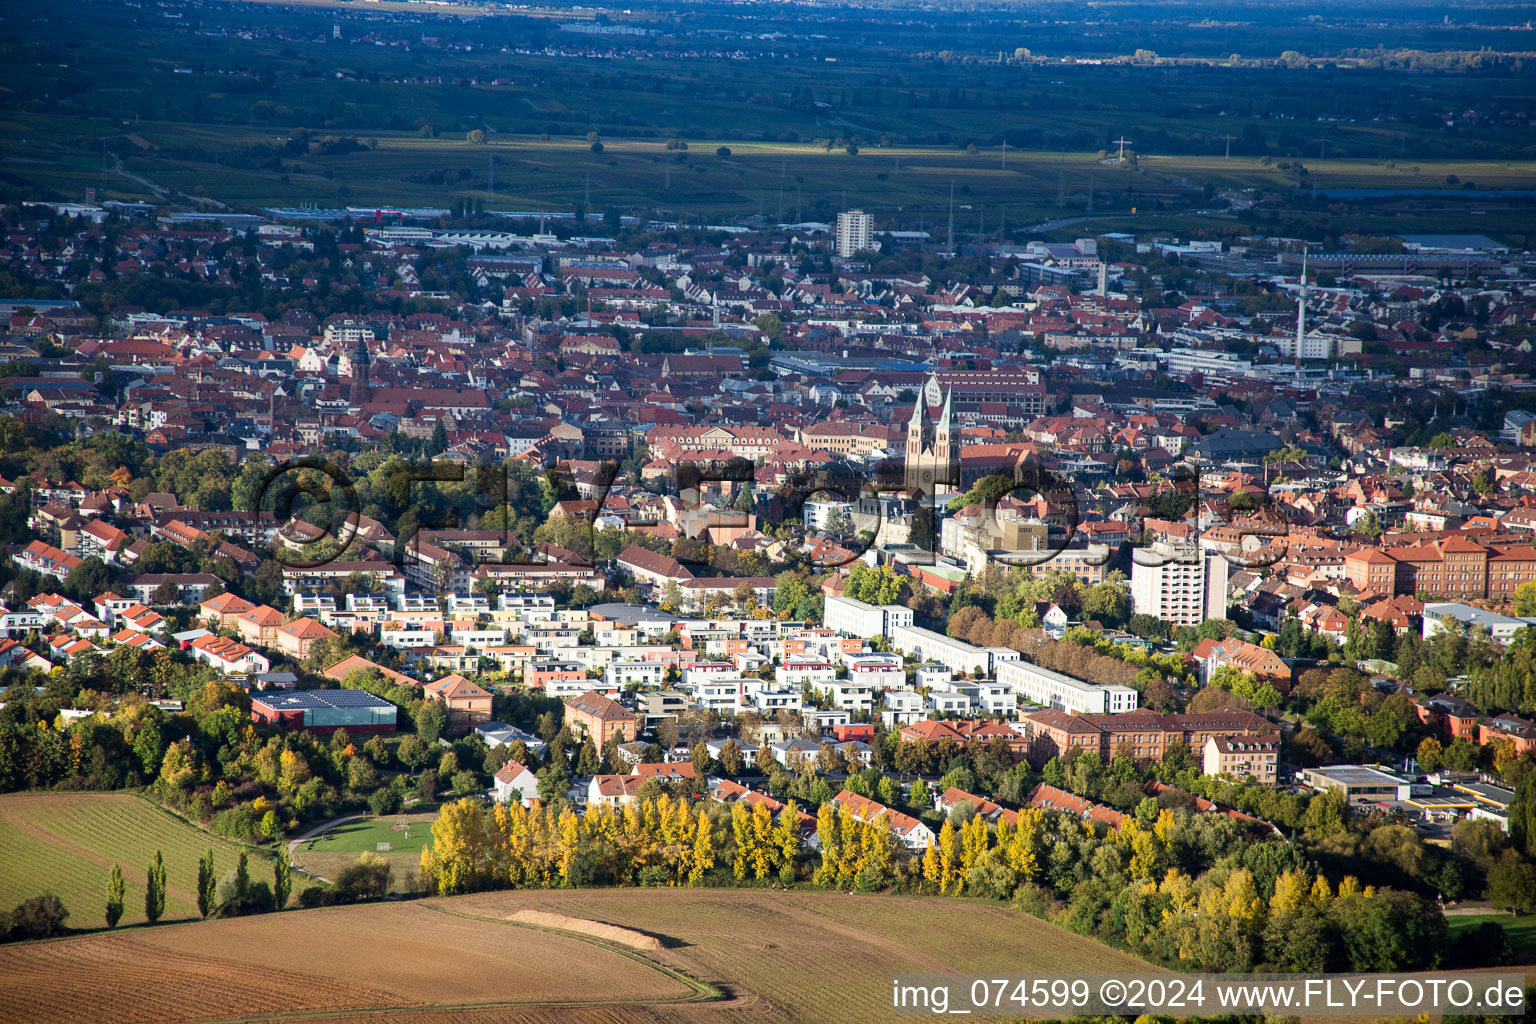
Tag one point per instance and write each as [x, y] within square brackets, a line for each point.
[933, 442]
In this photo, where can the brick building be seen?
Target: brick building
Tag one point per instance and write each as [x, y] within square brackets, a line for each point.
[600, 717]
[1144, 734]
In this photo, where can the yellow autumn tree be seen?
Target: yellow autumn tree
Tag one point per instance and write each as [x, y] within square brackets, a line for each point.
[703, 854]
[741, 830]
[950, 879]
[568, 836]
[973, 843]
[764, 850]
[456, 859]
[876, 851]
[827, 836]
[1291, 892]
[849, 836]
[786, 840]
[1146, 855]
[1180, 892]
[1242, 896]
[932, 873]
[1023, 844]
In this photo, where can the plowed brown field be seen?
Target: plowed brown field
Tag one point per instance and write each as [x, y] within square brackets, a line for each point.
[774, 957]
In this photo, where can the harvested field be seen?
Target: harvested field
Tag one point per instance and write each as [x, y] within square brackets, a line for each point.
[515, 957]
[131, 982]
[813, 956]
[379, 960]
[431, 954]
[596, 929]
[774, 957]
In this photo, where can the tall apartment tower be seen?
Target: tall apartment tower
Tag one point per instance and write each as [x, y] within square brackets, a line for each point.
[933, 443]
[855, 231]
[1188, 587]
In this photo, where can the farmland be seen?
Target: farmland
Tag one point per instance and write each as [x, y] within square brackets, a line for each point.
[905, 185]
[383, 957]
[772, 957]
[67, 842]
[830, 120]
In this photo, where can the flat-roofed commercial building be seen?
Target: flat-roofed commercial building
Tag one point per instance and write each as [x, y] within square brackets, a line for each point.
[1357, 783]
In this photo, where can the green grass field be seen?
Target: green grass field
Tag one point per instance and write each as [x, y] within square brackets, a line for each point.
[1521, 928]
[398, 838]
[66, 843]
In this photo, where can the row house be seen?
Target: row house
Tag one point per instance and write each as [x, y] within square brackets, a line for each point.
[914, 834]
[226, 655]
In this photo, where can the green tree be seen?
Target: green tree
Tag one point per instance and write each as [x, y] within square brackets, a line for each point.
[588, 762]
[1522, 817]
[207, 884]
[731, 760]
[114, 896]
[154, 891]
[431, 720]
[282, 880]
[243, 879]
[1525, 599]
[1367, 525]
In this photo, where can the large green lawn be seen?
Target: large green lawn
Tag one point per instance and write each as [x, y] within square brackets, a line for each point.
[402, 833]
[1521, 928]
[398, 838]
[66, 843]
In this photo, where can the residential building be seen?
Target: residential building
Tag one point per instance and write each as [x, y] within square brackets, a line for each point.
[1054, 690]
[1242, 757]
[855, 232]
[913, 833]
[513, 781]
[601, 718]
[1179, 583]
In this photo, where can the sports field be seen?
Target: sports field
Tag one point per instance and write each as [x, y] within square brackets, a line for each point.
[66, 843]
[398, 838]
[1521, 929]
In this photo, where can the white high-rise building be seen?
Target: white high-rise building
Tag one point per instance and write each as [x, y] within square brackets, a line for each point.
[1188, 587]
[855, 231]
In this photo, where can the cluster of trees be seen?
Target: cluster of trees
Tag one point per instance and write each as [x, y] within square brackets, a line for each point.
[969, 857]
[875, 584]
[855, 853]
[37, 917]
[1200, 892]
[648, 842]
[1483, 860]
[1342, 703]
[1506, 683]
[1014, 594]
[236, 895]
